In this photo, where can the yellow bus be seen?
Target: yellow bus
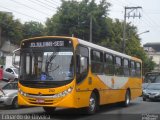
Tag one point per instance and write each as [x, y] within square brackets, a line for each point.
[58, 71]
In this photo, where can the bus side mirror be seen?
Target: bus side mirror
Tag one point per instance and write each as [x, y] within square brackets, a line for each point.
[82, 61]
[83, 64]
[16, 58]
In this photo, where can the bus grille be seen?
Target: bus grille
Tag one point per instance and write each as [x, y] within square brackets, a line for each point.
[46, 102]
[41, 103]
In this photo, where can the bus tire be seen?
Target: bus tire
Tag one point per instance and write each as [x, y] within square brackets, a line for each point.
[93, 105]
[49, 110]
[127, 99]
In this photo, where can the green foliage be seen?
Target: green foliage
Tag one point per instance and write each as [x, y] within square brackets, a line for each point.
[11, 29]
[33, 29]
[73, 18]
[113, 39]
[15, 31]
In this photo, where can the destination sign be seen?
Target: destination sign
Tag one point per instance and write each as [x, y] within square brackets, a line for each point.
[47, 44]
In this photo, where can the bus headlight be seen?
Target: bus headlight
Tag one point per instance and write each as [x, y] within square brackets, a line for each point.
[22, 93]
[64, 93]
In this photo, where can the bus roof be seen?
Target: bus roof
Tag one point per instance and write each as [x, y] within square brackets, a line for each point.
[106, 50]
[89, 44]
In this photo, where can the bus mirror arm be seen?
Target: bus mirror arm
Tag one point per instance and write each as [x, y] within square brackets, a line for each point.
[14, 58]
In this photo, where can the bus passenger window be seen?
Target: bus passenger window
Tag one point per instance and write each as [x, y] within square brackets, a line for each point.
[138, 69]
[108, 65]
[133, 70]
[97, 61]
[82, 63]
[126, 67]
[118, 66]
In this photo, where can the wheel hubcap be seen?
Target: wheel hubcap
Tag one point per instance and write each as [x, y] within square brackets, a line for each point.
[127, 99]
[92, 104]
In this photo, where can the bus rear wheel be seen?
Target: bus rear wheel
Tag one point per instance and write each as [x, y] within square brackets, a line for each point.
[49, 110]
[93, 104]
[127, 99]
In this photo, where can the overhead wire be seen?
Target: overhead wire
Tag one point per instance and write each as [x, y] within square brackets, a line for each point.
[152, 20]
[53, 3]
[46, 4]
[33, 1]
[117, 3]
[30, 7]
[20, 13]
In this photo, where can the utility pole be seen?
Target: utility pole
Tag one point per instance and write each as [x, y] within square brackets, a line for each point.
[90, 29]
[127, 12]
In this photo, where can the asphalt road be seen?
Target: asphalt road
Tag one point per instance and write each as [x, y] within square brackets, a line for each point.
[138, 110]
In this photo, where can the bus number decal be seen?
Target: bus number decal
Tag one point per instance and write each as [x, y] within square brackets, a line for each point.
[58, 43]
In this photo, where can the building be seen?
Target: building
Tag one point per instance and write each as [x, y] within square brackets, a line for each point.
[6, 48]
[6, 51]
[153, 51]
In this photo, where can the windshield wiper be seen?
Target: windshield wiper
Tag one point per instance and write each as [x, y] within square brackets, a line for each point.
[54, 69]
[49, 60]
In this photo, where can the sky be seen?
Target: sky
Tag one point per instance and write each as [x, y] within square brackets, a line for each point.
[40, 10]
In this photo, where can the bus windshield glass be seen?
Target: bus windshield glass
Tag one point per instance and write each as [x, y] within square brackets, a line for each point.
[47, 61]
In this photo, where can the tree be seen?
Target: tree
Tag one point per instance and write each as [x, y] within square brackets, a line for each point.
[10, 29]
[113, 38]
[73, 18]
[33, 29]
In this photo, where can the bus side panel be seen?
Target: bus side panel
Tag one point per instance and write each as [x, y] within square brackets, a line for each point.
[86, 87]
[136, 87]
[118, 95]
[107, 94]
[82, 98]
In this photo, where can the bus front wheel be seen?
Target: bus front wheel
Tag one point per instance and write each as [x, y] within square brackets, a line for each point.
[93, 104]
[49, 110]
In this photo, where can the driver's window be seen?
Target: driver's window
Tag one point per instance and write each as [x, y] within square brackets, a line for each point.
[82, 63]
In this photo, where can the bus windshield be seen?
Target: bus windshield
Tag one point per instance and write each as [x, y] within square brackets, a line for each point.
[47, 64]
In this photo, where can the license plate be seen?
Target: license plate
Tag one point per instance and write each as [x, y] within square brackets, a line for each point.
[40, 101]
